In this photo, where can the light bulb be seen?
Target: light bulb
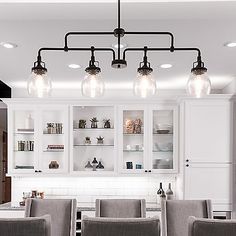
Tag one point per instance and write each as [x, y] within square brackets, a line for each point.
[199, 84]
[39, 85]
[92, 86]
[144, 85]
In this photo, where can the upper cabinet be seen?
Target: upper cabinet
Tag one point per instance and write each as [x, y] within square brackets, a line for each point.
[207, 131]
[22, 139]
[38, 139]
[133, 139]
[164, 138]
[148, 139]
[93, 139]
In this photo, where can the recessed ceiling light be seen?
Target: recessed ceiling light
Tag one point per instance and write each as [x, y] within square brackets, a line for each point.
[122, 45]
[8, 45]
[166, 66]
[74, 66]
[230, 44]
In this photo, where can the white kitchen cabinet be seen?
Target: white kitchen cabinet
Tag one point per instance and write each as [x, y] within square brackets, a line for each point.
[210, 181]
[207, 131]
[38, 139]
[163, 146]
[148, 140]
[207, 156]
[93, 141]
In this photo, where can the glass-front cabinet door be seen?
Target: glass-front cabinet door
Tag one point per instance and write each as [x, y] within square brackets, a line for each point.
[132, 139]
[23, 143]
[163, 144]
[93, 140]
[53, 133]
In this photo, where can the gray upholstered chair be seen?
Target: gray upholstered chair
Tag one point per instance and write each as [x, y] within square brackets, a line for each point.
[209, 227]
[37, 226]
[62, 212]
[100, 226]
[175, 214]
[121, 208]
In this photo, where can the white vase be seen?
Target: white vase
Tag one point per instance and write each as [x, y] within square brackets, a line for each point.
[29, 122]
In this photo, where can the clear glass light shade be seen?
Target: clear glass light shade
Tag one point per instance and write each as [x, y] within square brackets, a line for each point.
[199, 85]
[144, 85]
[39, 85]
[93, 86]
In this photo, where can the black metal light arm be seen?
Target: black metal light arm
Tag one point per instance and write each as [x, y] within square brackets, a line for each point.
[75, 49]
[162, 49]
[155, 33]
[84, 33]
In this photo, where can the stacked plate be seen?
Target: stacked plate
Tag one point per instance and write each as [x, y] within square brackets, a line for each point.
[164, 128]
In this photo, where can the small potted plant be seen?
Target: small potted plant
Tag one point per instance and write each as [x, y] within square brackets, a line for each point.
[107, 123]
[87, 140]
[100, 140]
[94, 123]
[82, 124]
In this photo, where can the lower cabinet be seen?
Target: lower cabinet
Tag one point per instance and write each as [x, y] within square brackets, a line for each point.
[209, 181]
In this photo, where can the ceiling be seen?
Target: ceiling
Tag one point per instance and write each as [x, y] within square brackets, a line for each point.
[207, 25]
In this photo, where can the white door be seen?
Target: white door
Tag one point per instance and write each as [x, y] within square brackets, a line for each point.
[207, 131]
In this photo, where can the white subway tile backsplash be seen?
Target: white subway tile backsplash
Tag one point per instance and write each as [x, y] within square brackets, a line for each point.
[88, 189]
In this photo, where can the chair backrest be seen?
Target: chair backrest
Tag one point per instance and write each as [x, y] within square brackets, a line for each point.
[121, 208]
[210, 227]
[100, 226]
[37, 226]
[175, 214]
[62, 212]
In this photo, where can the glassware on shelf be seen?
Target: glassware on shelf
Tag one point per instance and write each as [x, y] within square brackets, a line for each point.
[94, 162]
[88, 166]
[25, 145]
[100, 166]
[29, 123]
[129, 165]
[138, 166]
[54, 128]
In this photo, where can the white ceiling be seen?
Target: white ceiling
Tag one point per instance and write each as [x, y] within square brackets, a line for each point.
[207, 25]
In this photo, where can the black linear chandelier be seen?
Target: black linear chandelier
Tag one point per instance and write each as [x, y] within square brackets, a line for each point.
[39, 84]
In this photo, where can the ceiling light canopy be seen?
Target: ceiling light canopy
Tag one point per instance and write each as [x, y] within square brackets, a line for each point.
[144, 85]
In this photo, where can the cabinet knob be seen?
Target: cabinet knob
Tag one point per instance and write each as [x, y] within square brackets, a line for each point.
[187, 165]
[187, 160]
[40, 171]
[149, 171]
[146, 171]
[36, 171]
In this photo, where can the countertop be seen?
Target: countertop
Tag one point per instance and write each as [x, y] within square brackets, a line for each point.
[85, 206]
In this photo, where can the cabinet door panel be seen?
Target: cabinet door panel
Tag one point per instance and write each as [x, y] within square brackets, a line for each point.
[209, 181]
[207, 131]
